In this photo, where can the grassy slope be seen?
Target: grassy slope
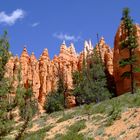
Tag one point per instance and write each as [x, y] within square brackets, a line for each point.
[113, 119]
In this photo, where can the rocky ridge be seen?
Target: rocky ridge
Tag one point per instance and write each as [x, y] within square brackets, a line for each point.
[42, 75]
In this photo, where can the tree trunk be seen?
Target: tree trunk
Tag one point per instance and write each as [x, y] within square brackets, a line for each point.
[131, 74]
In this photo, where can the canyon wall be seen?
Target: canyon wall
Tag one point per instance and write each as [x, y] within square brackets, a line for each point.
[43, 74]
[124, 84]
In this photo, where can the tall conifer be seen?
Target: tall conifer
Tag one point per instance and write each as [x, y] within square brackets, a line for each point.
[130, 43]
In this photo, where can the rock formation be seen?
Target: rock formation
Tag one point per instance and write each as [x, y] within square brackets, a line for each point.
[124, 84]
[43, 74]
[106, 55]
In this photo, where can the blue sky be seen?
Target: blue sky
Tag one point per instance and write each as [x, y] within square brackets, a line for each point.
[40, 24]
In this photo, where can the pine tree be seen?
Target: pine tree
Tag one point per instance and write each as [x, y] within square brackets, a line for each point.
[4, 53]
[56, 100]
[62, 87]
[98, 76]
[130, 43]
[90, 83]
[6, 106]
[79, 92]
[26, 103]
[6, 99]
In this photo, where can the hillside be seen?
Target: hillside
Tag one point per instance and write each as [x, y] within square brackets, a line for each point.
[115, 119]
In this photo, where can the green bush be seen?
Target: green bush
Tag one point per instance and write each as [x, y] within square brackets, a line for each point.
[26, 102]
[90, 84]
[54, 102]
[70, 136]
[65, 117]
[100, 131]
[72, 133]
[37, 135]
[6, 99]
[77, 126]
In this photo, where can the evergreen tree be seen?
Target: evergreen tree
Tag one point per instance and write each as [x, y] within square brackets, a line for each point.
[78, 92]
[4, 53]
[98, 77]
[91, 84]
[55, 100]
[61, 86]
[130, 43]
[26, 103]
[6, 106]
[6, 99]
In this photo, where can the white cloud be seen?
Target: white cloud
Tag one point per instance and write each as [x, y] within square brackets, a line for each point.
[11, 18]
[66, 37]
[35, 24]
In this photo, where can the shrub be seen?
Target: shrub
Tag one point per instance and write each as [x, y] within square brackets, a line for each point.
[54, 102]
[72, 133]
[37, 135]
[100, 131]
[6, 99]
[77, 126]
[65, 117]
[90, 84]
[69, 136]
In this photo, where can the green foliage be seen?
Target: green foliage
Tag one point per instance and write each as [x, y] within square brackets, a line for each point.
[127, 61]
[87, 110]
[90, 83]
[37, 135]
[100, 131]
[112, 138]
[65, 117]
[61, 87]
[27, 107]
[72, 133]
[26, 102]
[77, 126]
[110, 109]
[82, 90]
[133, 126]
[126, 74]
[54, 102]
[114, 112]
[6, 99]
[4, 53]
[70, 136]
[129, 42]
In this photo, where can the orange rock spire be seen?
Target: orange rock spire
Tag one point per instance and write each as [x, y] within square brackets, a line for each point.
[42, 75]
[123, 85]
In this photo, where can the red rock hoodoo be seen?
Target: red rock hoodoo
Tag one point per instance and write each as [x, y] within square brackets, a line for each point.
[43, 74]
[124, 84]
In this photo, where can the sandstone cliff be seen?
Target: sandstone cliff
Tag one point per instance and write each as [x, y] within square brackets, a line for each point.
[123, 84]
[44, 73]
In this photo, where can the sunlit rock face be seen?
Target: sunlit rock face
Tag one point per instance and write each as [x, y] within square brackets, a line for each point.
[11, 72]
[44, 66]
[106, 55]
[43, 74]
[104, 51]
[124, 84]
